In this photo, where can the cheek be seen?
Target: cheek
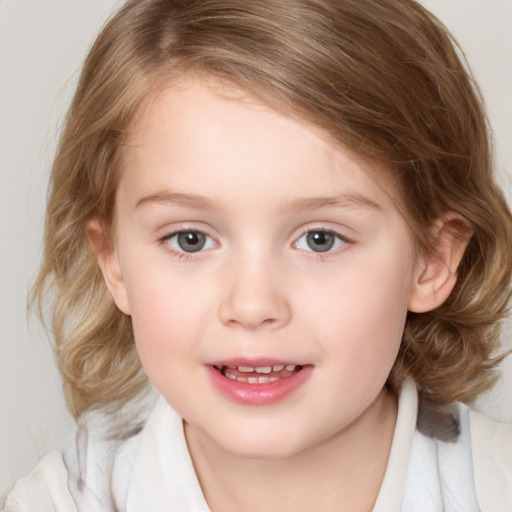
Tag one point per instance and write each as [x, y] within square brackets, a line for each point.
[168, 326]
[362, 311]
[164, 338]
[161, 310]
[171, 313]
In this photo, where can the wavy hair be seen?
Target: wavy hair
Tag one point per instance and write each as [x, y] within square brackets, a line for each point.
[382, 77]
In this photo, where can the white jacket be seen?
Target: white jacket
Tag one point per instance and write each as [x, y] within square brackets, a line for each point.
[472, 473]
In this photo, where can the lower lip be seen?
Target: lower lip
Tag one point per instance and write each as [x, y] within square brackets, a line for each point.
[258, 394]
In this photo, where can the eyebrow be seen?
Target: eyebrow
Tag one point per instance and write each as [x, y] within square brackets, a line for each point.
[342, 201]
[176, 198]
[196, 201]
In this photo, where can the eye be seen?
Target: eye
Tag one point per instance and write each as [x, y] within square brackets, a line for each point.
[189, 241]
[319, 241]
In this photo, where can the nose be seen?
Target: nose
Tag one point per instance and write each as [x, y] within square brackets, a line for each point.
[254, 296]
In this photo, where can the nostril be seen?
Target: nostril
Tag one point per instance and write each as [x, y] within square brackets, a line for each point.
[252, 317]
[253, 299]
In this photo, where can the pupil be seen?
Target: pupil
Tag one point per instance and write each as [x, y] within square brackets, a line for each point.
[191, 241]
[320, 241]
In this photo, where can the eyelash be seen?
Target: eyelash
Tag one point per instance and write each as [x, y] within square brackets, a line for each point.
[345, 242]
[183, 255]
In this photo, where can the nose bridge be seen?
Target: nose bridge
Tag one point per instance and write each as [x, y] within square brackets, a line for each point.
[255, 293]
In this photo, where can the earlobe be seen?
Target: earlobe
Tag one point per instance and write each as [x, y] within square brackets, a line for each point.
[108, 263]
[436, 272]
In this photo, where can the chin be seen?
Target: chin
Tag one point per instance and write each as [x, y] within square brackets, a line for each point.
[261, 445]
[263, 452]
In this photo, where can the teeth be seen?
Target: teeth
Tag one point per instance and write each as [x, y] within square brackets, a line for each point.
[258, 370]
[260, 374]
[263, 369]
[263, 379]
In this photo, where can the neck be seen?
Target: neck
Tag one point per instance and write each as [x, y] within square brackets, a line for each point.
[345, 470]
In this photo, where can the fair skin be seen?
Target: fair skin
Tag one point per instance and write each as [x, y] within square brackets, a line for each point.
[242, 235]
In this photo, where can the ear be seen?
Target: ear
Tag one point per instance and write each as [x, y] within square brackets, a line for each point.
[436, 272]
[108, 262]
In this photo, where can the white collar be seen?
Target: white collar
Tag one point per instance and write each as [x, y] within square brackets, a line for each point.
[160, 482]
[392, 488]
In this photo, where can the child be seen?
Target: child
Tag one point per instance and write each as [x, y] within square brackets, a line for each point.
[282, 215]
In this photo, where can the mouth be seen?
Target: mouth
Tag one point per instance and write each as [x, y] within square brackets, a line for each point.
[262, 382]
[258, 374]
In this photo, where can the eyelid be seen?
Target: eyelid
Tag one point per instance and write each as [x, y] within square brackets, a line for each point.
[208, 241]
[172, 228]
[331, 252]
[313, 227]
[185, 228]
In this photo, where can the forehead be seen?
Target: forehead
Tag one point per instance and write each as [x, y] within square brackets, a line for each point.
[215, 131]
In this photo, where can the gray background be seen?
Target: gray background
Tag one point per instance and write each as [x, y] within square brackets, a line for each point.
[42, 45]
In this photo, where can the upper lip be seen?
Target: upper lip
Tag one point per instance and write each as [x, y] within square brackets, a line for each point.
[255, 362]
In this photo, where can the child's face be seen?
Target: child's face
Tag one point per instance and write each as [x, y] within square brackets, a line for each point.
[245, 239]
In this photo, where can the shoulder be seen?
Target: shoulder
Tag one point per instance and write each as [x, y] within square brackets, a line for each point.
[90, 476]
[491, 446]
[46, 488]
[93, 474]
[459, 460]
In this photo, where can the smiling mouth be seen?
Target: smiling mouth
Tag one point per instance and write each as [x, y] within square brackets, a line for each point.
[258, 374]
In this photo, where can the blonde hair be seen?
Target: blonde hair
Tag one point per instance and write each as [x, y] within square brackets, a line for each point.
[384, 78]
